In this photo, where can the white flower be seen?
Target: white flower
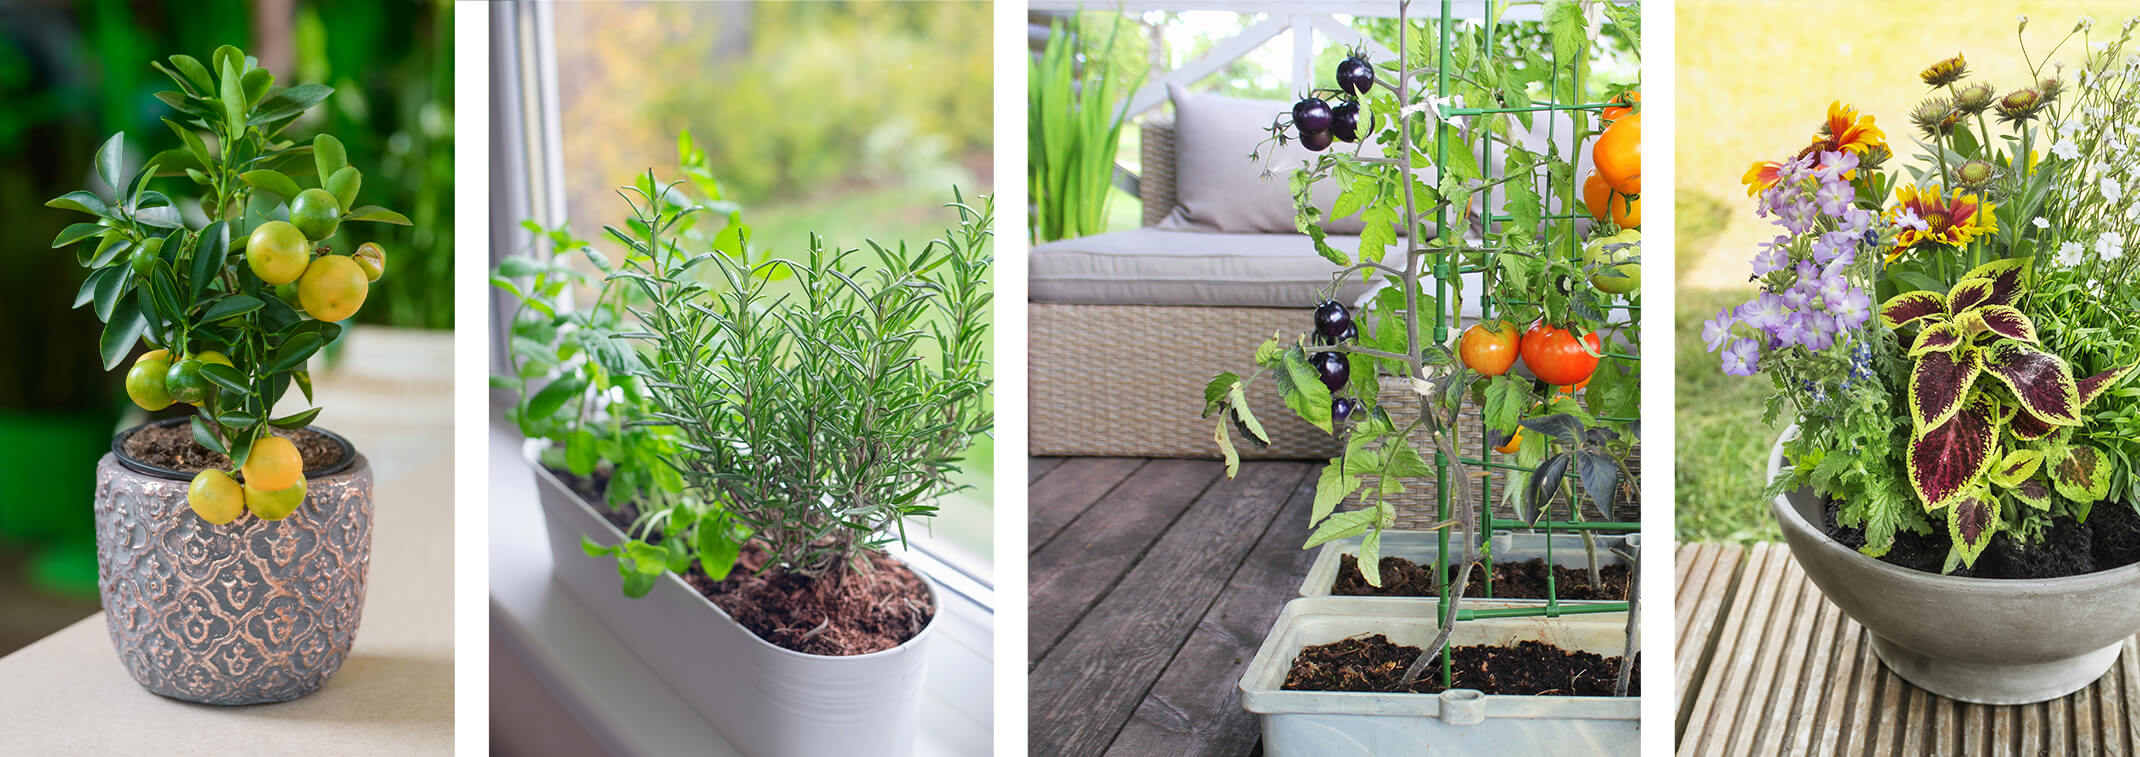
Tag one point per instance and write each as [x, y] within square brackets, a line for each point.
[2040, 223]
[2064, 149]
[2022, 19]
[2069, 254]
[2110, 245]
[2111, 189]
[2086, 22]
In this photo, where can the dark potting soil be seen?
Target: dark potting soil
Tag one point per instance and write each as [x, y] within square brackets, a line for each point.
[173, 447]
[865, 611]
[861, 611]
[1516, 580]
[1374, 663]
[2109, 539]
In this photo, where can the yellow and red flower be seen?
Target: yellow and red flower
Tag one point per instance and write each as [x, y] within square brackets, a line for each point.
[1763, 174]
[1845, 130]
[1932, 217]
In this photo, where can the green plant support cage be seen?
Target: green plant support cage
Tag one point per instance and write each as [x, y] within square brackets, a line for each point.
[1446, 278]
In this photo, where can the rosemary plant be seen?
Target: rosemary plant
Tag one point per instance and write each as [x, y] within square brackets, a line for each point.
[822, 400]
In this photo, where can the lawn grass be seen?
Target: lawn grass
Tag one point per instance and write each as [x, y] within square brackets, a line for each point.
[1723, 447]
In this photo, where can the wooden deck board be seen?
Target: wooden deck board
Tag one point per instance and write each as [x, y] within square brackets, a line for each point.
[1070, 488]
[1195, 707]
[1091, 553]
[1777, 669]
[1085, 688]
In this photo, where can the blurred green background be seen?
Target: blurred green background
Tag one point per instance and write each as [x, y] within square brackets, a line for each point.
[1755, 81]
[851, 119]
[1149, 44]
[71, 74]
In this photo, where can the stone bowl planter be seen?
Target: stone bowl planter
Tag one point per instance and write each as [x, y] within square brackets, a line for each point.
[248, 612]
[1983, 640]
[769, 701]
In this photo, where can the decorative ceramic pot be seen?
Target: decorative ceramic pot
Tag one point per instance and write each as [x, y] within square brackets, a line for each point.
[1984, 640]
[247, 612]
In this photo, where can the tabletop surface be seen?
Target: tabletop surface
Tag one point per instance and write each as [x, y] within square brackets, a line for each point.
[1766, 665]
[68, 694]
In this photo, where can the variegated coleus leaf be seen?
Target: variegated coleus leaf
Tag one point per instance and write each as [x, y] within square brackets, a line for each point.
[2016, 467]
[2033, 493]
[1910, 307]
[2006, 321]
[1972, 522]
[1938, 384]
[1947, 460]
[2027, 428]
[2093, 386]
[2081, 473]
[1967, 295]
[1940, 336]
[2040, 380]
[2006, 276]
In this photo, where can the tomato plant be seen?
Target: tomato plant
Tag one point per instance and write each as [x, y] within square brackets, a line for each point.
[1618, 155]
[1489, 349]
[1600, 199]
[1557, 357]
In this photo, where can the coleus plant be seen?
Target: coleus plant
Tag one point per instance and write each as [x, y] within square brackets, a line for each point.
[232, 301]
[1529, 256]
[1991, 412]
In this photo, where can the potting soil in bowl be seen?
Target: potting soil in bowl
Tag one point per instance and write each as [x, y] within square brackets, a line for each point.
[1524, 579]
[1376, 664]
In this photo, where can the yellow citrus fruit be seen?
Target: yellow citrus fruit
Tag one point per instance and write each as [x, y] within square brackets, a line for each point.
[316, 212]
[214, 357]
[145, 381]
[215, 497]
[277, 252]
[372, 258]
[275, 505]
[273, 465]
[333, 288]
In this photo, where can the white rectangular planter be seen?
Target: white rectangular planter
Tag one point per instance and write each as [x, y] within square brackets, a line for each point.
[768, 701]
[1422, 546]
[1455, 722]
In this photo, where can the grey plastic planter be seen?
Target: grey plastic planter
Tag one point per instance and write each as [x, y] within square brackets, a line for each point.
[768, 701]
[1984, 640]
[1454, 722]
[1422, 546]
[248, 612]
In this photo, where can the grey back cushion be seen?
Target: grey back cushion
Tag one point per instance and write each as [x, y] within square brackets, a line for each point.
[1219, 188]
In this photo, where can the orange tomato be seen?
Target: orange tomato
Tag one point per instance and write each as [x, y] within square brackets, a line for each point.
[1489, 348]
[1627, 213]
[1556, 358]
[1621, 106]
[1618, 155]
[1514, 443]
[1571, 390]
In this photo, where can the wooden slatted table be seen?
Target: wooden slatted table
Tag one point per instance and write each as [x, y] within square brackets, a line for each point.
[1766, 665]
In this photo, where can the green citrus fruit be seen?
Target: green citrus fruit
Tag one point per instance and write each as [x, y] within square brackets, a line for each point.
[144, 260]
[145, 381]
[372, 258]
[316, 212]
[275, 505]
[333, 288]
[215, 497]
[277, 252]
[288, 293]
[273, 465]
[183, 380]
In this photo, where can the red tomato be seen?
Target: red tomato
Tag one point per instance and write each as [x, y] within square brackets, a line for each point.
[1489, 348]
[1555, 356]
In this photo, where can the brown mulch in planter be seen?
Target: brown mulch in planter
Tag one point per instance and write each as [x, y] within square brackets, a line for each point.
[863, 611]
[173, 447]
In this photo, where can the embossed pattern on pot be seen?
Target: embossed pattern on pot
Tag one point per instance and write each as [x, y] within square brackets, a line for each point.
[249, 612]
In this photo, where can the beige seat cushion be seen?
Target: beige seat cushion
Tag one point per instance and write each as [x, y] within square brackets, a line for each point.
[1219, 188]
[1153, 266]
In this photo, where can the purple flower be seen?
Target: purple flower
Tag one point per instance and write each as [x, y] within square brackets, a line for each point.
[1741, 358]
[1836, 199]
[1852, 309]
[1774, 256]
[1910, 220]
[1796, 329]
[1834, 164]
[1858, 220]
[1834, 244]
[1819, 331]
[1716, 331]
[1765, 312]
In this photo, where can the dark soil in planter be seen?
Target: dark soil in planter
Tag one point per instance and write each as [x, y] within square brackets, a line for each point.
[172, 446]
[2109, 539]
[868, 611]
[1374, 663]
[1517, 580]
